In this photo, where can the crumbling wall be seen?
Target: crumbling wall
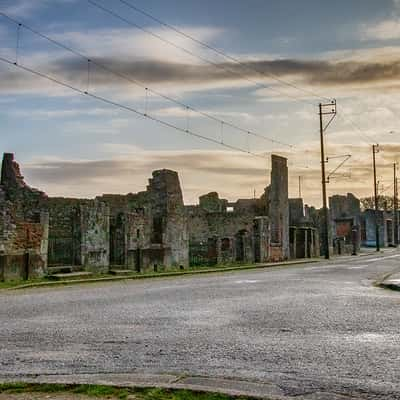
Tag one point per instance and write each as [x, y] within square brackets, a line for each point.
[368, 227]
[262, 239]
[296, 211]
[344, 206]
[227, 237]
[170, 238]
[94, 225]
[137, 238]
[278, 209]
[345, 227]
[23, 225]
[149, 229]
[212, 203]
[64, 232]
[252, 206]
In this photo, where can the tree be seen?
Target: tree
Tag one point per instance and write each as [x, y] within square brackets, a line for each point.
[384, 203]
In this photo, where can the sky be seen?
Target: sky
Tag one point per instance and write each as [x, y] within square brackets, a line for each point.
[292, 56]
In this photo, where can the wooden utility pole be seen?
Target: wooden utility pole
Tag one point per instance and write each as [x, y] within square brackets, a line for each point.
[395, 208]
[325, 216]
[375, 149]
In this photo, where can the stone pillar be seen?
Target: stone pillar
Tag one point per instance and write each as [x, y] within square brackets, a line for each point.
[279, 209]
[44, 246]
[168, 208]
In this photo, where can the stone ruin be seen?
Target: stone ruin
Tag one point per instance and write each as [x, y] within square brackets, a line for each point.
[24, 225]
[147, 231]
[249, 230]
[303, 231]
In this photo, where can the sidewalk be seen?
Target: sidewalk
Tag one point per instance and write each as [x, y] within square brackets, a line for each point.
[137, 276]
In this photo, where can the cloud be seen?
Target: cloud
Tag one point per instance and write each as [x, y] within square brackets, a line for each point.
[361, 74]
[387, 29]
[384, 30]
[126, 168]
[128, 172]
[23, 8]
[150, 62]
[69, 113]
[135, 43]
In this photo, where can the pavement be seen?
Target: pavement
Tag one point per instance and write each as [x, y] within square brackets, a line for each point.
[312, 331]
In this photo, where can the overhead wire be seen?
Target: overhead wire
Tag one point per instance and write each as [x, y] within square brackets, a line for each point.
[124, 107]
[222, 53]
[204, 59]
[91, 60]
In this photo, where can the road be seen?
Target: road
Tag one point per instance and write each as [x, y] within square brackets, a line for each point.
[306, 329]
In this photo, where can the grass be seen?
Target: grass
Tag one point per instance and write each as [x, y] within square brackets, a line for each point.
[111, 392]
[11, 284]
[194, 268]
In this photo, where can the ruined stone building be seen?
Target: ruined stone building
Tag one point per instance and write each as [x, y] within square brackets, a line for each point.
[345, 223]
[248, 230]
[352, 228]
[147, 231]
[385, 220]
[304, 234]
[143, 231]
[24, 225]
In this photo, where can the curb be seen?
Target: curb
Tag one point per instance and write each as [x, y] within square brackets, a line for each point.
[160, 275]
[391, 286]
[385, 283]
[231, 387]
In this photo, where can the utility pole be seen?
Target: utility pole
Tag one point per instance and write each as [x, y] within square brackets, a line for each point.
[325, 222]
[395, 207]
[375, 149]
[299, 187]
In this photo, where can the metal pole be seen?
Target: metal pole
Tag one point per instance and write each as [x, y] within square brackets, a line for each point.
[374, 151]
[325, 231]
[395, 206]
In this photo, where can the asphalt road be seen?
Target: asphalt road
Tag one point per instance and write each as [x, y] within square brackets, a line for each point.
[304, 329]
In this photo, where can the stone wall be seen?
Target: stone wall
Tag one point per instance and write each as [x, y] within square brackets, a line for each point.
[94, 226]
[278, 209]
[64, 232]
[212, 203]
[345, 212]
[368, 228]
[296, 211]
[149, 229]
[226, 237]
[170, 227]
[23, 225]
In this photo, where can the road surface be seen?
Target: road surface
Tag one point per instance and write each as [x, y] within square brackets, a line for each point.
[306, 329]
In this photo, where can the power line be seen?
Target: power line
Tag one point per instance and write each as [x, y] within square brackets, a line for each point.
[221, 53]
[126, 108]
[208, 61]
[90, 61]
[362, 134]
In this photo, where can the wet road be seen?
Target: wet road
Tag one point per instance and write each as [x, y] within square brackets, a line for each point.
[305, 329]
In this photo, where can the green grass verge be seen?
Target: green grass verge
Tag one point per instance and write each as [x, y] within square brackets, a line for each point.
[110, 392]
